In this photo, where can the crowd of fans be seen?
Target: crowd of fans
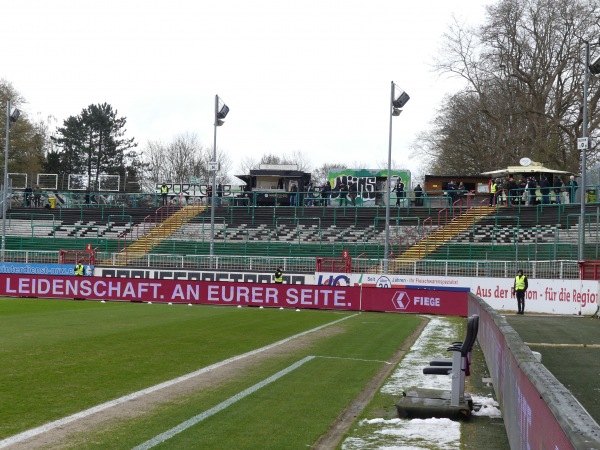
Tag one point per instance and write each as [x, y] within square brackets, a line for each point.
[532, 190]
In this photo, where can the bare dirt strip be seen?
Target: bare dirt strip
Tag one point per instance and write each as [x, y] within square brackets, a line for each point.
[72, 434]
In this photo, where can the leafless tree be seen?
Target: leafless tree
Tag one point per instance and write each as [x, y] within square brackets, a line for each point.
[523, 73]
[180, 160]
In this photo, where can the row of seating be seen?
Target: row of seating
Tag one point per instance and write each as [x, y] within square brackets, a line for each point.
[303, 226]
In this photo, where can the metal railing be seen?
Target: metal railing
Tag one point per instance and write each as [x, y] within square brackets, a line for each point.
[559, 269]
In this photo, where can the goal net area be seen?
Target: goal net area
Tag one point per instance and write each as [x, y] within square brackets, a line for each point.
[86, 257]
[81, 182]
[343, 264]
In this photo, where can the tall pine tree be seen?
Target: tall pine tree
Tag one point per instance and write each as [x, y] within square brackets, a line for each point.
[94, 143]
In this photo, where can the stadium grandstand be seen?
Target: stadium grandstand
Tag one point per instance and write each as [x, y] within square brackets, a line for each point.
[464, 238]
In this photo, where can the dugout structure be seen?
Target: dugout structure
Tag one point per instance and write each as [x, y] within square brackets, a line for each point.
[87, 256]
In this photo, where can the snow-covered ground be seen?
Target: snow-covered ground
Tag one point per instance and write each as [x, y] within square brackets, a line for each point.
[417, 434]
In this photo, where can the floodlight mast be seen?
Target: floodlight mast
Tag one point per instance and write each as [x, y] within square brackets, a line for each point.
[9, 118]
[584, 147]
[395, 105]
[220, 114]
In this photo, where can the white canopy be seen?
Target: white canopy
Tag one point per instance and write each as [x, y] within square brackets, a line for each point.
[532, 168]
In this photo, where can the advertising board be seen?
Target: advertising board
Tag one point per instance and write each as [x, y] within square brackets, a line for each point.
[421, 300]
[201, 275]
[543, 295]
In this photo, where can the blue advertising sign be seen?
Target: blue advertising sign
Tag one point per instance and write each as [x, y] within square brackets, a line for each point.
[42, 269]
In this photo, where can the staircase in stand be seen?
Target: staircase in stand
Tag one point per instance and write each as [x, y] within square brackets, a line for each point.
[156, 235]
[442, 235]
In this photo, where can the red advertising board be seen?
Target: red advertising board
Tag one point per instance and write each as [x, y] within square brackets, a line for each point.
[351, 298]
[411, 300]
[178, 291]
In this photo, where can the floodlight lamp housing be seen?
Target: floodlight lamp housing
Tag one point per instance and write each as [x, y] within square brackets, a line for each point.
[219, 122]
[14, 116]
[396, 112]
[401, 100]
[223, 112]
[595, 66]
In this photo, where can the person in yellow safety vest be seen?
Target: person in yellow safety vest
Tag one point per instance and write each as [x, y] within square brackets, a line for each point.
[79, 269]
[519, 290]
[278, 277]
[164, 190]
[493, 191]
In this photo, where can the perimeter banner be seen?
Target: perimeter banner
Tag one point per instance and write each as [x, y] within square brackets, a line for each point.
[543, 296]
[351, 298]
[424, 300]
[177, 291]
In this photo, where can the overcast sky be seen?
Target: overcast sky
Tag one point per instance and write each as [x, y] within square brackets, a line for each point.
[309, 76]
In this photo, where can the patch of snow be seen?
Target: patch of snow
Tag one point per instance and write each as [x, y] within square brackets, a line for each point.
[431, 344]
[415, 434]
[489, 407]
[419, 434]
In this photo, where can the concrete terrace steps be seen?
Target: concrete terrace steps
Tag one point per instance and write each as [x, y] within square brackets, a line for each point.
[290, 224]
[443, 234]
[157, 234]
[526, 225]
[73, 222]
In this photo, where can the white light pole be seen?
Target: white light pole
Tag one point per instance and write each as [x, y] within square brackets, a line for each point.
[9, 118]
[583, 144]
[220, 114]
[396, 102]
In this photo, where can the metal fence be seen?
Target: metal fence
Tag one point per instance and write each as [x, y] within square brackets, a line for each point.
[562, 269]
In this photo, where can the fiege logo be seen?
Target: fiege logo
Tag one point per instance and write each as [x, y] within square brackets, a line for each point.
[401, 300]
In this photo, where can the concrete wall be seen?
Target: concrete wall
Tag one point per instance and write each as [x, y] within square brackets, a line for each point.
[539, 412]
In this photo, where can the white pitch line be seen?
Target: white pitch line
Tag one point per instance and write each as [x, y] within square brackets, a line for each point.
[237, 397]
[221, 406]
[95, 409]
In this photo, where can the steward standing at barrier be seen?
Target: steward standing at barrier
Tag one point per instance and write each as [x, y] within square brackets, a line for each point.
[78, 272]
[278, 277]
[164, 190]
[493, 188]
[519, 289]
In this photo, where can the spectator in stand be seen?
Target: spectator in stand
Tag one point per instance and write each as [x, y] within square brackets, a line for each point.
[353, 192]
[343, 193]
[557, 184]
[28, 195]
[308, 189]
[399, 190]
[531, 188]
[326, 193]
[37, 196]
[219, 194]
[451, 189]
[418, 195]
[462, 190]
[545, 190]
[512, 192]
[293, 194]
[209, 192]
[572, 189]
[522, 190]
[501, 191]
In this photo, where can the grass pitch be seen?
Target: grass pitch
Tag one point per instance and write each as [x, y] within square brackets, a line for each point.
[61, 357]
